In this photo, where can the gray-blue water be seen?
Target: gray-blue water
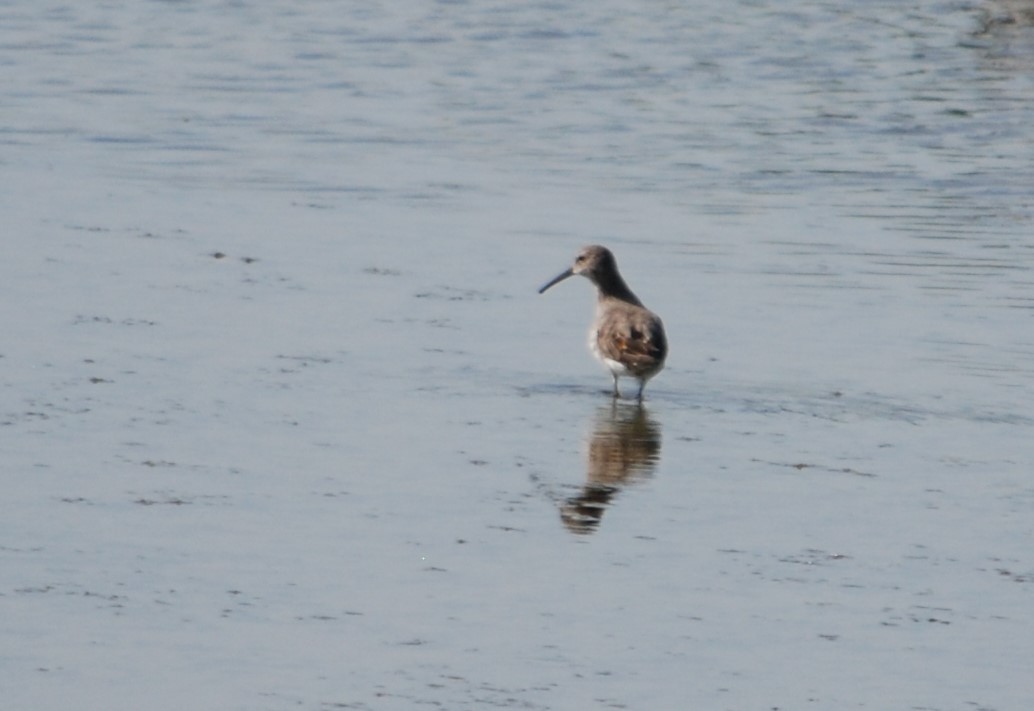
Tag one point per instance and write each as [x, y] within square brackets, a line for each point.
[284, 423]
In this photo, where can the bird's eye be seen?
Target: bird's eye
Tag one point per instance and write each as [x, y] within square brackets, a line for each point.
[580, 258]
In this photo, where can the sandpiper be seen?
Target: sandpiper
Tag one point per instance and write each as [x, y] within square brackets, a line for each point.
[625, 336]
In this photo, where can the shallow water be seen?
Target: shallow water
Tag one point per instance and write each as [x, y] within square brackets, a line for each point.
[286, 425]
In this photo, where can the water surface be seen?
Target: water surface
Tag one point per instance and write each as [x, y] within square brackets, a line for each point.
[285, 424]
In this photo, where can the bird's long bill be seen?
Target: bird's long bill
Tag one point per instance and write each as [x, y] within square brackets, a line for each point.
[557, 279]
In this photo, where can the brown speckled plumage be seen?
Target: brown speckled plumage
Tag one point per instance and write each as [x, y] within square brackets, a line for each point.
[626, 336]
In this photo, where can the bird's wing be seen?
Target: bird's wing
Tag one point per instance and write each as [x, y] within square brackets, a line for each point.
[633, 337]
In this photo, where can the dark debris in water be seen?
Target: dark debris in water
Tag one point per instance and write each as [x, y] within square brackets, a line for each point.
[800, 466]
[381, 271]
[1016, 577]
[306, 359]
[451, 293]
[223, 255]
[170, 501]
[81, 319]
[813, 556]
[34, 589]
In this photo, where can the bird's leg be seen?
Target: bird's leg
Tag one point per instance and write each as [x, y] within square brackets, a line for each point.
[617, 393]
[642, 384]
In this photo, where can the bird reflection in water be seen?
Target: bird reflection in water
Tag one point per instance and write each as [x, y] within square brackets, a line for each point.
[625, 448]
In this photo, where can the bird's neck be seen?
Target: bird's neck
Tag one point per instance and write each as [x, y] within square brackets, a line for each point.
[612, 286]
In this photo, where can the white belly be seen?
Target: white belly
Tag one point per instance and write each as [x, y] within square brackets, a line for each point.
[616, 368]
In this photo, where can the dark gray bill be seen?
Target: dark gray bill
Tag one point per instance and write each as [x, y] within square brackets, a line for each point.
[557, 279]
